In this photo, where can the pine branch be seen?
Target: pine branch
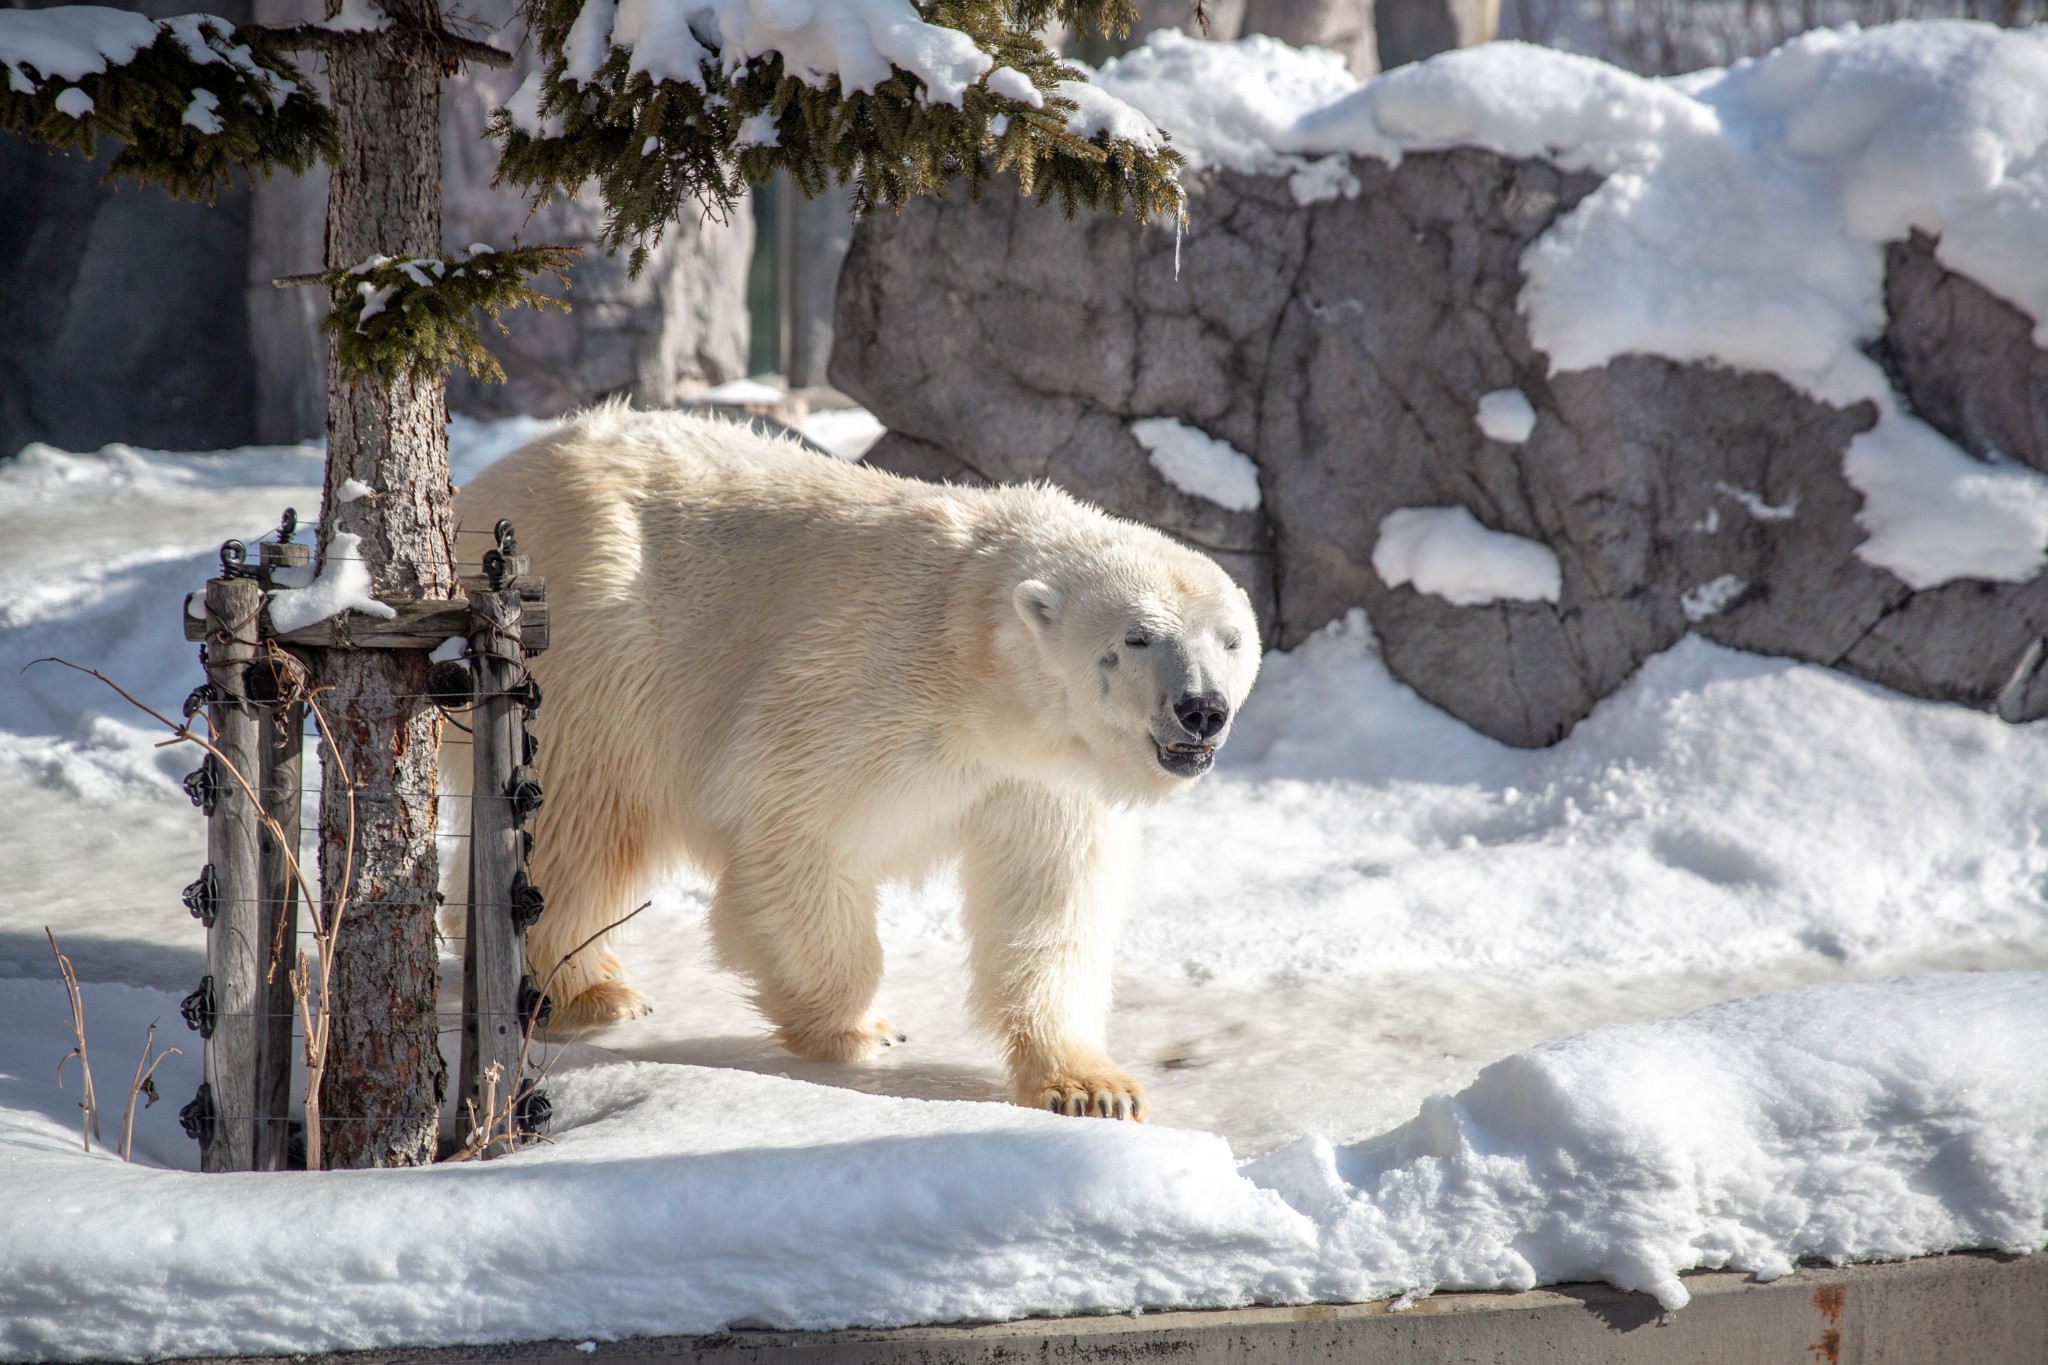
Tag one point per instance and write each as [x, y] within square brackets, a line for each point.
[198, 103]
[659, 149]
[395, 314]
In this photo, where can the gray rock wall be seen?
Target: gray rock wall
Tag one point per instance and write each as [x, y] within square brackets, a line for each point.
[1344, 347]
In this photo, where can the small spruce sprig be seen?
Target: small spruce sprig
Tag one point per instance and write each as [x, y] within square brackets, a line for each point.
[659, 149]
[200, 102]
[398, 314]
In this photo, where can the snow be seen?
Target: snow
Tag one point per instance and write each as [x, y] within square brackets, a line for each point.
[343, 584]
[1350, 960]
[1711, 598]
[1754, 503]
[74, 102]
[68, 42]
[1097, 112]
[358, 16]
[744, 393]
[1013, 84]
[200, 113]
[1741, 221]
[857, 42]
[847, 432]
[1506, 415]
[1195, 462]
[1444, 550]
[352, 490]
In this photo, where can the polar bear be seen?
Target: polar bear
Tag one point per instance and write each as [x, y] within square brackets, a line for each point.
[806, 677]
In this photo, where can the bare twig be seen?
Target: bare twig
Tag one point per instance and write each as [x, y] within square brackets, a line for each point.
[143, 1084]
[89, 1129]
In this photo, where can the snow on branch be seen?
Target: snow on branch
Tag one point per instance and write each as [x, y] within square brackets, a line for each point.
[191, 98]
[394, 314]
[668, 106]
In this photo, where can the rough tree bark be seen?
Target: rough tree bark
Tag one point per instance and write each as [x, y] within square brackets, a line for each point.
[381, 1096]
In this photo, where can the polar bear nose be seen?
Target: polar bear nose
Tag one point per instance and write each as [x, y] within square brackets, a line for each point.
[1202, 716]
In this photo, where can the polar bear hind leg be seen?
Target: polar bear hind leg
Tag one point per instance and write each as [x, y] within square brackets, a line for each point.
[803, 932]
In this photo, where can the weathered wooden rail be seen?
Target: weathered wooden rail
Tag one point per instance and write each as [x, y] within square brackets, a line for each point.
[246, 896]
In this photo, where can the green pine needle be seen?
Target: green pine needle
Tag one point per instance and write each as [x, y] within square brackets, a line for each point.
[399, 314]
[185, 124]
[659, 150]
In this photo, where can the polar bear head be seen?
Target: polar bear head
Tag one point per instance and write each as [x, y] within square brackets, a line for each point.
[1153, 649]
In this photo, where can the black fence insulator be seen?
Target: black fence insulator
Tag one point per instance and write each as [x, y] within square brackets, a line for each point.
[533, 1112]
[202, 896]
[527, 694]
[263, 682]
[288, 526]
[198, 699]
[525, 795]
[198, 1008]
[502, 533]
[450, 685]
[535, 1009]
[197, 1117]
[527, 902]
[202, 784]
[234, 560]
[525, 845]
[494, 569]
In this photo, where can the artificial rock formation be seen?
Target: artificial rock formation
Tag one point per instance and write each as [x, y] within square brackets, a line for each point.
[1344, 347]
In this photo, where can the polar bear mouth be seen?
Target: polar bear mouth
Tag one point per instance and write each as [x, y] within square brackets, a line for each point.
[1185, 760]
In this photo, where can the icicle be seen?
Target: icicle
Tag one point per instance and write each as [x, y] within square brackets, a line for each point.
[1180, 223]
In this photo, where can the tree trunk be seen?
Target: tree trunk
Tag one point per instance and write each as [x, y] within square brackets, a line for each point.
[381, 1095]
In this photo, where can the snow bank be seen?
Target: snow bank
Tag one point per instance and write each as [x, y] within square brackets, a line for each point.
[1195, 462]
[1741, 221]
[1875, 1120]
[1444, 550]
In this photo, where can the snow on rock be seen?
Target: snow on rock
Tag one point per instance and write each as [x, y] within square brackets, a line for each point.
[1741, 221]
[1444, 550]
[857, 42]
[1712, 597]
[1195, 462]
[1857, 1122]
[1506, 415]
[1862, 1121]
[343, 584]
[846, 432]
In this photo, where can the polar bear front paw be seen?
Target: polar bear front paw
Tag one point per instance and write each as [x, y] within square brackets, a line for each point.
[860, 1044]
[1101, 1093]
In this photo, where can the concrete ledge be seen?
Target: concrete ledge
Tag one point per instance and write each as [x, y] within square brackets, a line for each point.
[1941, 1310]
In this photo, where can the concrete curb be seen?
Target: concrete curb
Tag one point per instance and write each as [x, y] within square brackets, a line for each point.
[1976, 1309]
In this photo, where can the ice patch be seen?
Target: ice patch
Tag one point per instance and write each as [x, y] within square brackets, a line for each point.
[1506, 415]
[1444, 550]
[1195, 462]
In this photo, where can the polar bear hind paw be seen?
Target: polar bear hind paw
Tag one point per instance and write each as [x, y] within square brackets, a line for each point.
[1108, 1094]
[606, 1002]
[859, 1044]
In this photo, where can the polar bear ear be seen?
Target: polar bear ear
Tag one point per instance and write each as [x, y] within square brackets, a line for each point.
[1038, 603]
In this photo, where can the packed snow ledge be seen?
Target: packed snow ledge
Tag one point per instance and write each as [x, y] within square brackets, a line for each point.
[1741, 219]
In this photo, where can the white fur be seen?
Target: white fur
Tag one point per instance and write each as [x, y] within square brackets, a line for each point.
[806, 678]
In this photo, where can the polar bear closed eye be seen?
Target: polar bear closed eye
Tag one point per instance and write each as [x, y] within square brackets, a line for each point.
[806, 678]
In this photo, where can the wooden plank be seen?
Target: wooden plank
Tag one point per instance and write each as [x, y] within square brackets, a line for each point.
[494, 956]
[234, 944]
[279, 735]
[418, 625]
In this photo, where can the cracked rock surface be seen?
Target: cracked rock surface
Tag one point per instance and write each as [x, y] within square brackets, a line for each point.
[1344, 346]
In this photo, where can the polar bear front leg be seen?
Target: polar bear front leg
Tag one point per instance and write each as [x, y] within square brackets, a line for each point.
[804, 934]
[1041, 872]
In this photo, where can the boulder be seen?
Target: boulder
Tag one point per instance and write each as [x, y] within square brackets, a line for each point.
[1344, 346]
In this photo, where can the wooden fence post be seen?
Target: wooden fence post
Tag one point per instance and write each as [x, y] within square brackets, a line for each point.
[229, 891]
[279, 738]
[502, 903]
